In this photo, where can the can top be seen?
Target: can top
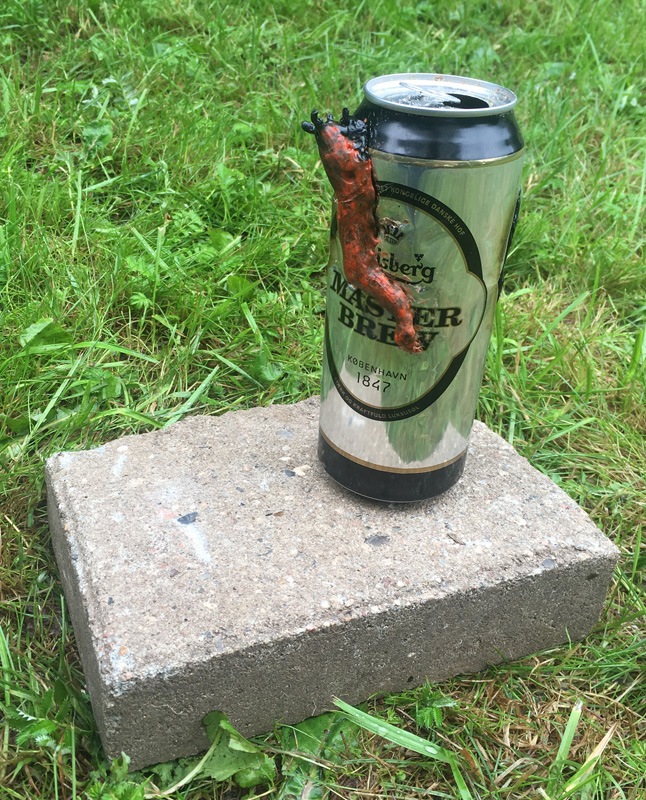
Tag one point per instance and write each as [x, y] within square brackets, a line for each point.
[439, 95]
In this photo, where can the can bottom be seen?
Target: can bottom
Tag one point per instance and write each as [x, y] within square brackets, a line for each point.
[390, 487]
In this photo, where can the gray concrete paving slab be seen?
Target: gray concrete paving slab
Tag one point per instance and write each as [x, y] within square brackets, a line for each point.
[215, 566]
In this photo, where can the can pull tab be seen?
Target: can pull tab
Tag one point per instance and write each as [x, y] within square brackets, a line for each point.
[438, 97]
[436, 93]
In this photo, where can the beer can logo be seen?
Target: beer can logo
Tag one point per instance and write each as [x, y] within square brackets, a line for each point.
[438, 261]
[392, 230]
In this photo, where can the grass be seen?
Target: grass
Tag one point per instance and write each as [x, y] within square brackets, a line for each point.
[162, 242]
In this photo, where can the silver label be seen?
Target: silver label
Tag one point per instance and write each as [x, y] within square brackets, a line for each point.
[443, 237]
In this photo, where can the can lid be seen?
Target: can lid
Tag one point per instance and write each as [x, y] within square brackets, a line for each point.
[439, 95]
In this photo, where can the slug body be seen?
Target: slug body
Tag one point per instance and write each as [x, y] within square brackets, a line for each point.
[344, 154]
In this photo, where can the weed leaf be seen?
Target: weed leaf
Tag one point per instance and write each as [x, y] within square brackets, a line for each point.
[314, 744]
[119, 767]
[212, 724]
[234, 756]
[221, 240]
[236, 740]
[240, 287]
[97, 135]
[18, 425]
[44, 331]
[263, 368]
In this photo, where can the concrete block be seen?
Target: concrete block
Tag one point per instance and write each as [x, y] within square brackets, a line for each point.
[215, 566]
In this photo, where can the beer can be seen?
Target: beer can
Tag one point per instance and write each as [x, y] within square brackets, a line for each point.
[447, 153]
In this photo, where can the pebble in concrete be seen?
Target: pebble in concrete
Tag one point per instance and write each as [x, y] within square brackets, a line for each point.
[215, 566]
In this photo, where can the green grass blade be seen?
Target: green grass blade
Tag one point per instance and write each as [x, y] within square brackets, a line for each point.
[6, 663]
[77, 213]
[54, 399]
[639, 205]
[585, 773]
[565, 431]
[194, 397]
[393, 734]
[114, 348]
[556, 769]
[128, 413]
[636, 358]
[557, 321]
[235, 368]
[406, 739]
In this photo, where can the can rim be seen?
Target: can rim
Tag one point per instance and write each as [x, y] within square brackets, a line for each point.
[498, 99]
